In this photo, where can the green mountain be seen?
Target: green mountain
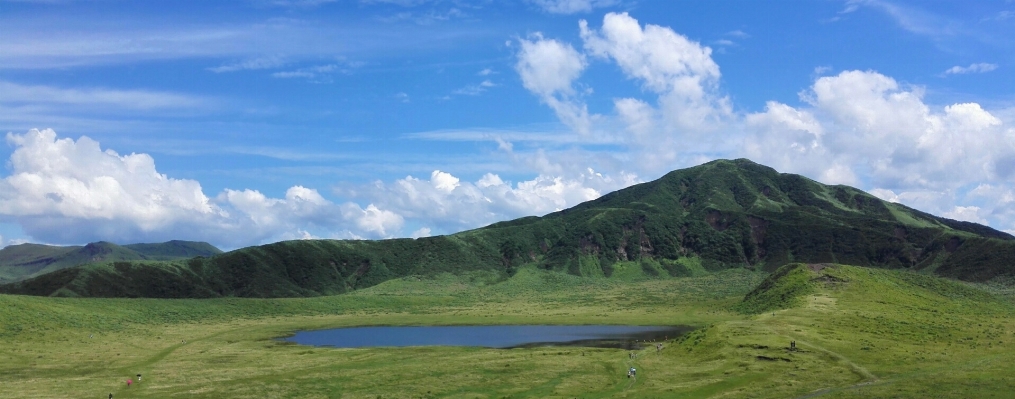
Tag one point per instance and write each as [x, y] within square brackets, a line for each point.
[720, 215]
[19, 262]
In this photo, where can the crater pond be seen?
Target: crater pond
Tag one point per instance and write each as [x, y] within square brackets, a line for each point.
[503, 337]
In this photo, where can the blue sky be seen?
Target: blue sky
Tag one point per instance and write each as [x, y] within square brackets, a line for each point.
[241, 123]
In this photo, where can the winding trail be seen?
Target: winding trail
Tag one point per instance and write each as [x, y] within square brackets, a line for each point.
[869, 379]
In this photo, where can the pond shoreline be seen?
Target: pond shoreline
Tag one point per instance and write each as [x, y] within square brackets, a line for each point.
[489, 336]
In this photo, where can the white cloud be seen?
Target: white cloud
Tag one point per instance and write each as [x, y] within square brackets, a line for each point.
[446, 203]
[885, 194]
[982, 67]
[638, 115]
[56, 185]
[966, 213]
[864, 128]
[66, 191]
[549, 68]
[679, 71]
[662, 59]
[381, 223]
[859, 128]
[444, 181]
[571, 6]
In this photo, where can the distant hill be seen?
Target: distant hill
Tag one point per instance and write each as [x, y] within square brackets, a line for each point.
[19, 262]
[723, 214]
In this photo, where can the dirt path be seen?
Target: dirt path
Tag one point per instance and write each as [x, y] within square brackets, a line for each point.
[868, 377]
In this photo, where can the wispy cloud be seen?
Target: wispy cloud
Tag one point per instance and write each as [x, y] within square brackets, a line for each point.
[738, 34]
[548, 136]
[912, 19]
[981, 67]
[476, 89]
[251, 64]
[1001, 16]
[425, 18]
[260, 44]
[316, 73]
[572, 6]
[17, 94]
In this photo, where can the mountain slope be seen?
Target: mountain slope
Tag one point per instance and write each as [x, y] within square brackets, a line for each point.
[19, 262]
[719, 215]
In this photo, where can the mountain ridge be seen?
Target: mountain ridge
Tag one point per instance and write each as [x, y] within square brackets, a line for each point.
[23, 261]
[719, 215]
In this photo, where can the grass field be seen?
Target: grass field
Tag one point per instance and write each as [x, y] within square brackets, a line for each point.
[860, 333]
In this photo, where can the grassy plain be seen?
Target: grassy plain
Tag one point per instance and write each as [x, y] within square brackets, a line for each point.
[860, 333]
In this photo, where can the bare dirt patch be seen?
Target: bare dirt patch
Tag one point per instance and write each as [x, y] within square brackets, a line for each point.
[817, 267]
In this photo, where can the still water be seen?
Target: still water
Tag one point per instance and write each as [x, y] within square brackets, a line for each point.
[513, 336]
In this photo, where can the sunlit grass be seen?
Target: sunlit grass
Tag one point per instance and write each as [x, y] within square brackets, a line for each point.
[860, 333]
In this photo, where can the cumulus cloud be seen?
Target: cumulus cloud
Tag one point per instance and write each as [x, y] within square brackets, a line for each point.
[73, 191]
[77, 180]
[860, 128]
[66, 191]
[448, 204]
[966, 213]
[865, 129]
[674, 67]
[548, 68]
[688, 110]
[972, 68]
[422, 232]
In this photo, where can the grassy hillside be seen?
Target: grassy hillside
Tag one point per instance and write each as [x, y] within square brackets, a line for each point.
[19, 262]
[860, 332]
[717, 216]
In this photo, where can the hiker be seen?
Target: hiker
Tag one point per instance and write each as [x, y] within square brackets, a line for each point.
[129, 381]
[139, 377]
[110, 395]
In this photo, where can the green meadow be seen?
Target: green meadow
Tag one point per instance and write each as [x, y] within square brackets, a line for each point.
[859, 332]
